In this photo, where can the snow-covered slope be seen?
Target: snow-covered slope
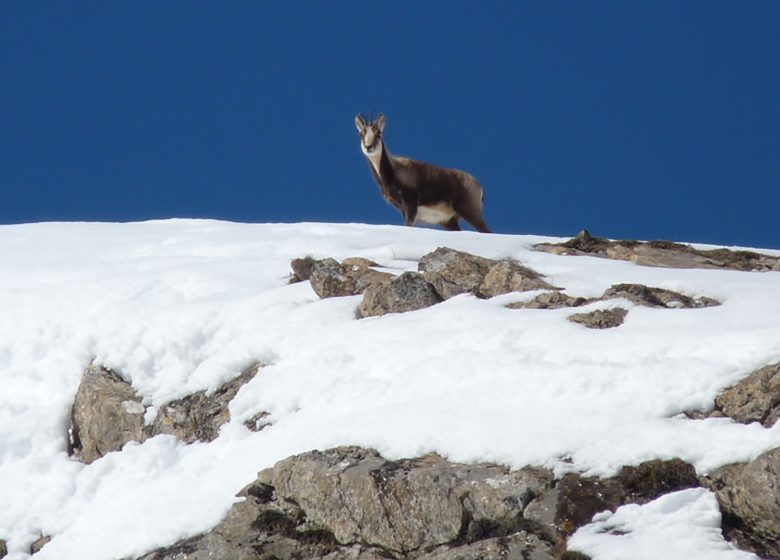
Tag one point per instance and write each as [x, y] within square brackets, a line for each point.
[178, 306]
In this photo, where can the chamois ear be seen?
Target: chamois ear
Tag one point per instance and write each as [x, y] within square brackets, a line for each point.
[360, 122]
[380, 121]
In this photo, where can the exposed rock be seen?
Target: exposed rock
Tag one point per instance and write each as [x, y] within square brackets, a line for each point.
[3, 549]
[661, 254]
[656, 297]
[754, 399]
[350, 503]
[107, 413]
[509, 276]
[258, 422]
[550, 300]
[601, 318]
[358, 262]
[38, 544]
[301, 269]
[749, 498]
[332, 279]
[575, 499]
[407, 292]
[198, 417]
[518, 546]
[405, 505]
[454, 272]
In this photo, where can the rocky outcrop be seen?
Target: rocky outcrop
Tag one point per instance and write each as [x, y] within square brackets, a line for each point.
[454, 272]
[749, 498]
[198, 417]
[657, 297]
[754, 399]
[3, 549]
[661, 254]
[575, 499]
[107, 413]
[39, 543]
[330, 278]
[351, 503]
[407, 292]
[600, 318]
[550, 300]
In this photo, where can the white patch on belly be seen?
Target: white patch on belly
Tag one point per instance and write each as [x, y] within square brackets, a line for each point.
[435, 214]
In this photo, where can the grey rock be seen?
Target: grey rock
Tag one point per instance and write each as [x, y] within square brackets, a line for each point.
[749, 498]
[107, 413]
[3, 549]
[198, 417]
[550, 300]
[330, 279]
[662, 254]
[408, 505]
[351, 277]
[601, 318]
[754, 399]
[575, 499]
[517, 546]
[509, 276]
[39, 543]
[350, 503]
[302, 269]
[454, 272]
[407, 292]
[656, 297]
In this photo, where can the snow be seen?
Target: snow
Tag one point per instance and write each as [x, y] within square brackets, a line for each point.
[679, 526]
[178, 306]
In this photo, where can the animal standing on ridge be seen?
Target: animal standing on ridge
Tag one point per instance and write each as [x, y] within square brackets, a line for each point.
[421, 191]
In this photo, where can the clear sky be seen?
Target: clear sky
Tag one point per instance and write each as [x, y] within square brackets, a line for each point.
[636, 119]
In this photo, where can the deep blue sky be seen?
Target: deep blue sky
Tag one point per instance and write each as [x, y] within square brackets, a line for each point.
[639, 119]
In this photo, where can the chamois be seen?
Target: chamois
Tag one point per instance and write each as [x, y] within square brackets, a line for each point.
[421, 191]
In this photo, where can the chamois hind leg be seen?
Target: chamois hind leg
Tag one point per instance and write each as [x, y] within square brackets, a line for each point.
[472, 213]
[451, 224]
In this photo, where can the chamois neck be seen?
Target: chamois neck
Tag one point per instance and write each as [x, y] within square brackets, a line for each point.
[381, 161]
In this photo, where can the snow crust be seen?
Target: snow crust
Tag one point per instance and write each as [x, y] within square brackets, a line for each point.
[183, 305]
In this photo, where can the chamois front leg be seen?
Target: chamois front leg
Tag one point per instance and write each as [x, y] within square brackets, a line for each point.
[409, 209]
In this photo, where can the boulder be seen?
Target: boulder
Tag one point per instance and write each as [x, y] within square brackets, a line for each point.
[454, 272]
[407, 292]
[3, 549]
[198, 417]
[749, 498]
[107, 413]
[333, 279]
[510, 276]
[661, 254]
[301, 269]
[754, 399]
[601, 318]
[656, 297]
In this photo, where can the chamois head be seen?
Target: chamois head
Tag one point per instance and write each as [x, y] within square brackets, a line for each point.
[370, 132]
